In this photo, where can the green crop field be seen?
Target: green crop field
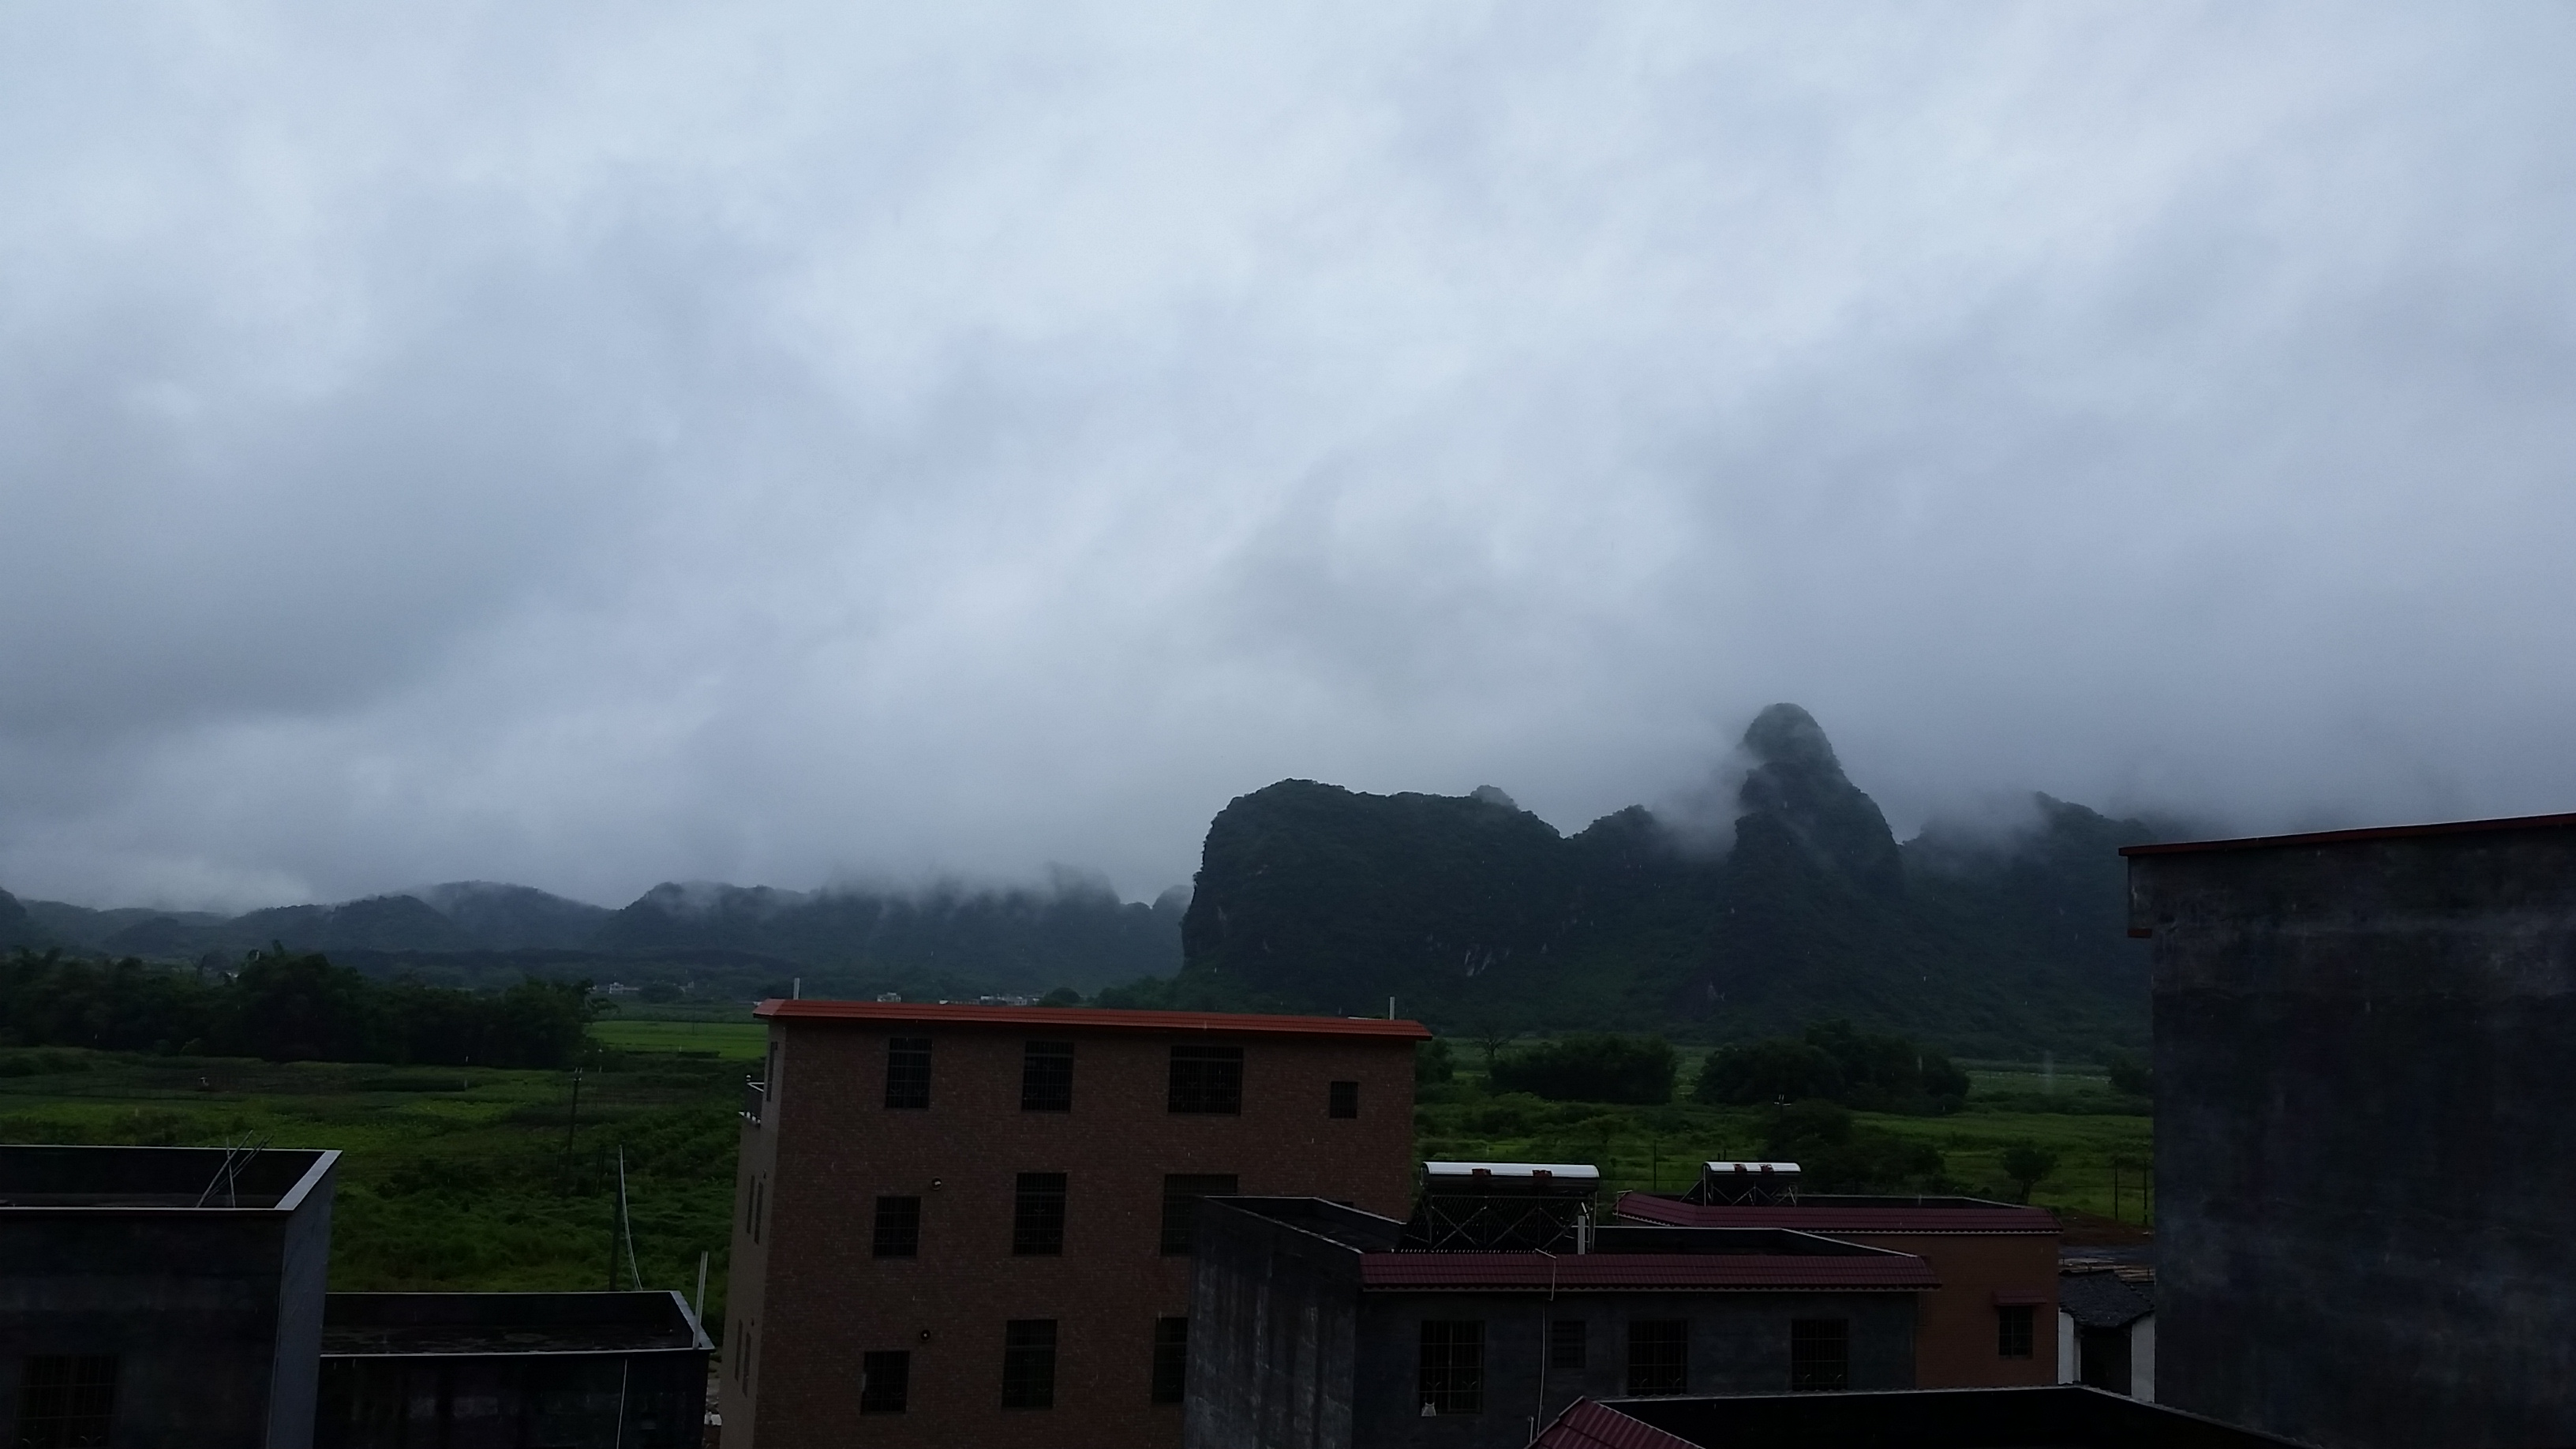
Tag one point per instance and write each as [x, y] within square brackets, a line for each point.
[738, 1040]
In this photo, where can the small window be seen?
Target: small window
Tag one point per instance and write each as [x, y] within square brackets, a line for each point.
[759, 1200]
[65, 1401]
[908, 1071]
[1659, 1356]
[898, 1232]
[1819, 1354]
[1181, 1194]
[1037, 1215]
[885, 1381]
[1342, 1099]
[1567, 1343]
[2013, 1331]
[1171, 1359]
[1028, 1363]
[1207, 1079]
[1046, 1077]
[1453, 1366]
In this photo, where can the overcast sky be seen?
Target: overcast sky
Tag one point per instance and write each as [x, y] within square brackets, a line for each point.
[595, 445]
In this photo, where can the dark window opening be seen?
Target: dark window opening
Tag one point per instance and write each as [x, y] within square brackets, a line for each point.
[898, 1227]
[885, 1381]
[756, 1205]
[1342, 1099]
[1659, 1356]
[1207, 1079]
[1037, 1215]
[66, 1402]
[908, 1071]
[2013, 1332]
[1819, 1354]
[1567, 1343]
[1453, 1366]
[1181, 1194]
[1171, 1359]
[1028, 1363]
[1046, 1077]
[2102, 1358]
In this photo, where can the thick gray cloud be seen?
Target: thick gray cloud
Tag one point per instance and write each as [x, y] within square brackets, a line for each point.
[774, 442]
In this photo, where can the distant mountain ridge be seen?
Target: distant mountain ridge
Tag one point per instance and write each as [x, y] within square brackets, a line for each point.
[1071, 934]
[1476, 914]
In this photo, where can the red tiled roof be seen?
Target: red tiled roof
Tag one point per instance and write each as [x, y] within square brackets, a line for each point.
[1569, 1272]
[1837, 1221]
[1088, 1019]
[2357, 837]
[1587, 1425]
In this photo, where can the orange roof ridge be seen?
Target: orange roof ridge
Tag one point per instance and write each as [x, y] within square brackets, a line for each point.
[1088, 1018]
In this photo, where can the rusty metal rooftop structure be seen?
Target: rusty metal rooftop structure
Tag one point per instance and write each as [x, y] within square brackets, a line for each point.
[1087, 1019]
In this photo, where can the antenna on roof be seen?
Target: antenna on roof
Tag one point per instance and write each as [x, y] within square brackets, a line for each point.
[228, 1172]
[625, 1225]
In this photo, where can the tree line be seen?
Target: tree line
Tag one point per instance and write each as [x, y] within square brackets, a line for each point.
[283, 1006]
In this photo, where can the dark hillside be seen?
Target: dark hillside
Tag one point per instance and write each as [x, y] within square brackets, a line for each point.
[1479, 916]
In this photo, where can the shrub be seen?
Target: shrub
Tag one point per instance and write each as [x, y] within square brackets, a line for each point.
[2131, 1076]
[1873, 1071]
[1433, 1063]
[1591, 1068]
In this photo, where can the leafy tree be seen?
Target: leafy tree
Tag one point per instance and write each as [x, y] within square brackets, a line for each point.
[1767, 1071]
[2028, 1165]
[1061, 996]
[1434, 1063]
[1873, 1071]
[1591, 1068]
[1836, 1154]
[2131, 1075]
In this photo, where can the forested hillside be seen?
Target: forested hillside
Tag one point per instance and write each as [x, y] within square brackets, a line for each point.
[1479, 916]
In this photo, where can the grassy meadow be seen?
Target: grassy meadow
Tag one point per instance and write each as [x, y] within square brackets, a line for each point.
[470, 1179]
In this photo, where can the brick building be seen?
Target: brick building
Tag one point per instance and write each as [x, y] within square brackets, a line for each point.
[972, 1225]
[1993, 1321]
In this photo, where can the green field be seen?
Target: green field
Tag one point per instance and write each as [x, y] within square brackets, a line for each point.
[477, 1179]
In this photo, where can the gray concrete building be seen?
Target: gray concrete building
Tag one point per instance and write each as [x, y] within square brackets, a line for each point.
[1313, 1326]
[2365, 1058]
[158, 1297]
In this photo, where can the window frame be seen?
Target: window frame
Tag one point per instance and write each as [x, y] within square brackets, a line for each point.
[1342, 1101]
[908, 1063]
[897, 1230]
[1812, 1369]
[2016, 1331]
[872, 1393]
[1206, 1081]
[1046, 1076]
[1181, 1207]
[1569, 1345]
[1653, 1372]
[76, 1408]
[1171, 1360]
[1449, 1377]
[1028, 1363]
[1038, 1204]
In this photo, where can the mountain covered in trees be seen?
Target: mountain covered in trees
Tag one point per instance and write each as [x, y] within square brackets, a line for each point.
[1481, 917]
[728, 940]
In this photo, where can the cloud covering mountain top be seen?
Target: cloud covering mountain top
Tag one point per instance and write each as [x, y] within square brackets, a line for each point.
[786, 443]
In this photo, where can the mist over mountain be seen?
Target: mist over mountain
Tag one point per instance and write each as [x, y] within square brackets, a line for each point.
[1478, 915]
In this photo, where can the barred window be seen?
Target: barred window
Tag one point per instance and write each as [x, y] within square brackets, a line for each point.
[885, 1381]
[1181, 1194]
[2013, 1331]
[1046, 1077]
[1819, 1354]
[66, 1402]
[1659, 1356]
[1171, 1359]
[1207, 1079]
[908, 1071]
[1028, 1363]
[1342, 1099]
[1453, 1366]
[898, 1232]
[1037, 1215]
[1567, 1343]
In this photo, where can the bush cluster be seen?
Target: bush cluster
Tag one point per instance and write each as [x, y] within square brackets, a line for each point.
[1870, 1071]
[286, 1007]
[1591, 1068]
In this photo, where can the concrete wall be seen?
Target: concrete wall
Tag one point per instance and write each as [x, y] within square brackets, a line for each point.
[1956, 1334]
[204, 1310]
[1739, 1344]
[2365, 1059]
[1273, 1332]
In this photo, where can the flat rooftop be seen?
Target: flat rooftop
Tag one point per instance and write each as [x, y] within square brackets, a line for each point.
[159, 1179]
[2067, 1416]
[1080, 1020]
[1842, 1213]
[483, 1325]
[2363, 836]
